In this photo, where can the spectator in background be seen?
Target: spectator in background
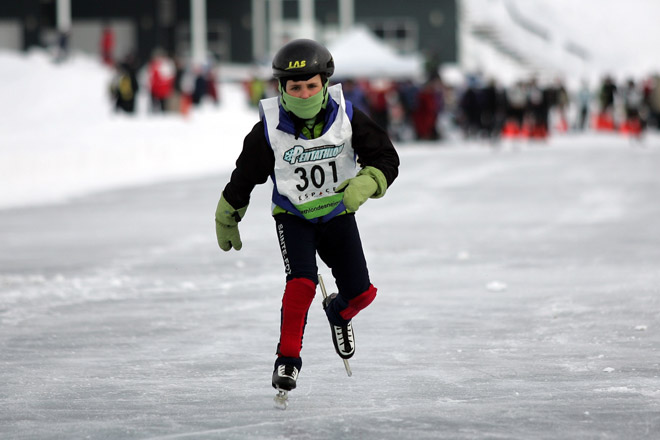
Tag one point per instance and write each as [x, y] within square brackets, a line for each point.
[492, 110]
[516, 101]
[608, 92]
[124, 87]
[107, 45]
[538, 104]
[161, 72]
[204, 85]
[178, 98]
[653, 101]
[583, 99]
[470, 109]
[426, 114]
[354, 92]
[632, 103]
[605, 118]
[256, 90]
[432, 63]
[408, 91]
[212, 85]
[199, 87]
[561, 101]
[62, 51]
[378, 106]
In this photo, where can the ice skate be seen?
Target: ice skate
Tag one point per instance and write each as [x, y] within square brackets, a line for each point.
[342, 336]
[285, 376]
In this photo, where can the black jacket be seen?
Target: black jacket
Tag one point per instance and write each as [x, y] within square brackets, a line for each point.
[256, 162]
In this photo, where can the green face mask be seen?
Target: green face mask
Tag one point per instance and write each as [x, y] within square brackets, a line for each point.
[305, 108]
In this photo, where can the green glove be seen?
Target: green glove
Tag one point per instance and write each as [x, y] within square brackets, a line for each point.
[226, 225]
[370, 182]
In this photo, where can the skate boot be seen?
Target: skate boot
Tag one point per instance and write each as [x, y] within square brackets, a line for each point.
[342, 335]
[286, 372]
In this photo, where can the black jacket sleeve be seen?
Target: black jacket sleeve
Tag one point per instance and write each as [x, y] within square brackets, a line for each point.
[373, 146]
[253, 167]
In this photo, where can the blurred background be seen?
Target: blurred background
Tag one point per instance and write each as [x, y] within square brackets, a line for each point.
[441, 72]
[517, 251]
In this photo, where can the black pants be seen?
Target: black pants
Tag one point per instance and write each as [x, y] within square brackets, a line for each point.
[337, 243]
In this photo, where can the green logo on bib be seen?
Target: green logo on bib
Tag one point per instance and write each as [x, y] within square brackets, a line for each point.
[298, 154]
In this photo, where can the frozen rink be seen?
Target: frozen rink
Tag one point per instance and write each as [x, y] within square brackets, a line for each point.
[518, 298]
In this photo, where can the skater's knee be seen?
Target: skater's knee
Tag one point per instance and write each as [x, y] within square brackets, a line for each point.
[301, 284]
[306, 275]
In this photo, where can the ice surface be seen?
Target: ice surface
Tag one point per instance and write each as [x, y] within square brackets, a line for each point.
[120, 318]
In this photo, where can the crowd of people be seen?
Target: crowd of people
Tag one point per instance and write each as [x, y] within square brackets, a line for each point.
[404, 109]
[483, 109]
[415, 110]
[409, 110]
[172, 84]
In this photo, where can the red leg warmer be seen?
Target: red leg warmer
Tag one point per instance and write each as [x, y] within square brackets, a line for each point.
[358, 303]
[298, 296]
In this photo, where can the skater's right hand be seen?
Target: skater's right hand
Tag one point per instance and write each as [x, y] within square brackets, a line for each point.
[369, 183]
[226, 225]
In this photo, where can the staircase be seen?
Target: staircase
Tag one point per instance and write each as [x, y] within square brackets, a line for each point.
[499, 25]
[484, 20]
[490, 34]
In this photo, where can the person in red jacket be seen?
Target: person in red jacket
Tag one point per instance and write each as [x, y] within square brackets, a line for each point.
[108, 45]
[429, 105]
[161, 72]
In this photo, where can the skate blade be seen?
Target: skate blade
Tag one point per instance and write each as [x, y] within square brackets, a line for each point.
[348, 367]
[281, 399]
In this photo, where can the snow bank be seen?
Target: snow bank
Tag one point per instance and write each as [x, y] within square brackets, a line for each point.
[61, 139]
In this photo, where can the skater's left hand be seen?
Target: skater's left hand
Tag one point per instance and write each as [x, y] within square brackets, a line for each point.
[370, 182]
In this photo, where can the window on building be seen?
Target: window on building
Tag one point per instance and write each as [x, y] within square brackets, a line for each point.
[400, 33]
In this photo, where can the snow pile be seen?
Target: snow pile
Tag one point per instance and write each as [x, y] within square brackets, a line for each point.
[61, 138]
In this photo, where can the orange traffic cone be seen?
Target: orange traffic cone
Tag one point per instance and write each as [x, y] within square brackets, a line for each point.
[511, 130]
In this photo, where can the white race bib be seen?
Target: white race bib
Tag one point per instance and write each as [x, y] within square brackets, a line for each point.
[308, 171]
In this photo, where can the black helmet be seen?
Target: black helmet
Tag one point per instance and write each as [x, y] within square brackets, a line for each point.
[303, 58]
